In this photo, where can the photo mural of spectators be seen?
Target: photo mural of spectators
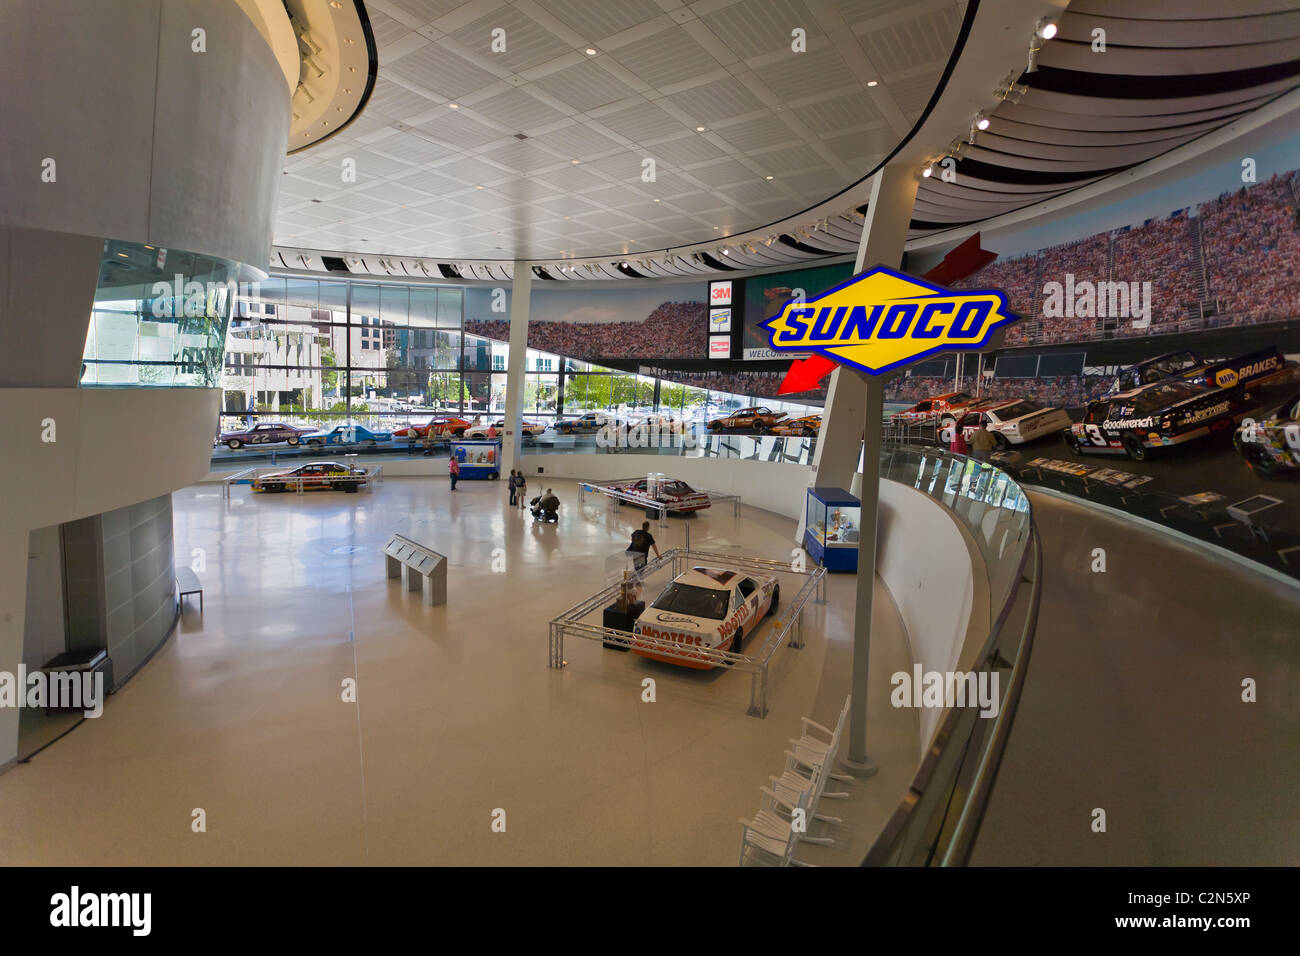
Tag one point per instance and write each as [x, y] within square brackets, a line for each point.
[672, 330]
[1066, 391]
[1231, 260]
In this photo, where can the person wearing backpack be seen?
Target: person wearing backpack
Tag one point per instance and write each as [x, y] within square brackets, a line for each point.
[642, 542]
[521, 486]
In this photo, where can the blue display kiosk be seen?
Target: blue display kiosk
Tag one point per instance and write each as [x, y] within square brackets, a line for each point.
[478, 459]
[832, 528]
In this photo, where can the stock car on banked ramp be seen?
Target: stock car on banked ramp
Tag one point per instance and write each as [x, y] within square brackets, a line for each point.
[1156, 416]
[1254, 368]
[715, 608]
[1271, 445]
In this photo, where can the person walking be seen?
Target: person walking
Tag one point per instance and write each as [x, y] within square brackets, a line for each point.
[514, 488]
[453, 469]
[642, 542]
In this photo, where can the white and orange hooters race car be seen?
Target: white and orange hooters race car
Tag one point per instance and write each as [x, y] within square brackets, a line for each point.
[715, 608]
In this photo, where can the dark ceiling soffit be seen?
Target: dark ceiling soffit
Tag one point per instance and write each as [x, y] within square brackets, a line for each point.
[372, 55]
[1051, 79]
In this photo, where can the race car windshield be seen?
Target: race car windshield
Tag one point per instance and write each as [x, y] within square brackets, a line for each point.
[693, 601]
[1018, 410]
[1162, 395]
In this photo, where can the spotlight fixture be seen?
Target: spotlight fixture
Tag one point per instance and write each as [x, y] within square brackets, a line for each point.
[927, 172]
[1045, 28]
[726, 252]
[981, 120]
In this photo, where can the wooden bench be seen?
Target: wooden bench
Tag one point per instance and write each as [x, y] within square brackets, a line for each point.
[188, 583]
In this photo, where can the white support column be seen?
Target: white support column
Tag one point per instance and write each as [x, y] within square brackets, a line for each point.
[893, 193]
[511, 439]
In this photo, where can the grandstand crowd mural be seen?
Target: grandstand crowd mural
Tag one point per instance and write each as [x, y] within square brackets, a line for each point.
[670, 322]
[1230, 260]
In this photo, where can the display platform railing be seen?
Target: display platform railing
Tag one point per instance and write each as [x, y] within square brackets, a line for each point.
[617, 496]
[788, 629]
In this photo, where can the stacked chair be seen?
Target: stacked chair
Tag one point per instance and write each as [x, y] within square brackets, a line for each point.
[770, 838]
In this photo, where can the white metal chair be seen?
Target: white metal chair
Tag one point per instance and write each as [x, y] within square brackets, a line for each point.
[768, 840]
[812, 751]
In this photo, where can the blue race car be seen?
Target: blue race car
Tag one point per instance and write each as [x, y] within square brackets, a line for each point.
[346, 435]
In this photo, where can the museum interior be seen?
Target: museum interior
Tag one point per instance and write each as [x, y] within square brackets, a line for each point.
[574, 412]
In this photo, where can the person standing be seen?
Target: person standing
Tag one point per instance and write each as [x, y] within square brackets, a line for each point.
[957, 444]
[521, 486]
[642, 542]
[982, 443]
[513, 488]
[492, 433]
[453, 469]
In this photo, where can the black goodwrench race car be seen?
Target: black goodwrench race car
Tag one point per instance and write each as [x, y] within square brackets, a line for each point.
[1156, 416]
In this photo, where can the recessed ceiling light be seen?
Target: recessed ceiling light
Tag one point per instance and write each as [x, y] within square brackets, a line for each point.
[338, 109]
[872, 82]
[767, 177]
[726, 252]
[699, 129]
[715, 228]
[478, 187]
[454, 106]
[656, 200]
[347, 40]
[352, 69]
[575, 161]
[590, 52]
[336, 5]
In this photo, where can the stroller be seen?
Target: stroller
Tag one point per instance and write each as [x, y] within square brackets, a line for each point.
[544, 514]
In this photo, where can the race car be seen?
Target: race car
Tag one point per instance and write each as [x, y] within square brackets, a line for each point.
[1272, 444]
[263, 433]
[479, 429]
[706, 607]
[315, 476]
[1254, 368]
[346, 435]
[1015, 421]
[947, 408]
[1155, 416]
[808, 426]
[437, 427]
[757, 418]
[587, 424]
[680, 496]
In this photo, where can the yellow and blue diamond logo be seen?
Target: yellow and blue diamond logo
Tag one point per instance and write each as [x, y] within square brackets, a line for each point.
[882, 319]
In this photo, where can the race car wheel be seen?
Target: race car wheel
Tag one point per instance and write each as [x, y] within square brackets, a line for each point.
[1000, 442]
[567, 429]
[776, 600]
[370, 443]
[338, 485]
[274, 487]
[292, 440]
[235, 444]
[352, 487]
[1134, 448]
[1072, 443]
[315, 443]
[1261, 462]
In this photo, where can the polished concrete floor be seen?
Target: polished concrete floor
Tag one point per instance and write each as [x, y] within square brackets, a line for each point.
[458, 720]
[1133, 706]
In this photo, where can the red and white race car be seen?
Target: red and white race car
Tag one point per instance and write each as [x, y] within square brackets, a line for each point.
[705, 607]
[946, 408]
[678, 495]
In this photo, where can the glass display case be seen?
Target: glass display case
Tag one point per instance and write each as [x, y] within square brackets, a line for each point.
[478, 459]
[833, 528]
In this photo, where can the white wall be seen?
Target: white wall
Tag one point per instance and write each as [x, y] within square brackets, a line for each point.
[111, 448]
[933, 575]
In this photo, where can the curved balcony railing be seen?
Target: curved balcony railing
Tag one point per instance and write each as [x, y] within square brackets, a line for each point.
[936, 822]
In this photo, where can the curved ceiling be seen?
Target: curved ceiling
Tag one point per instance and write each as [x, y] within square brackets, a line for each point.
[1171, 73]
[522, 129]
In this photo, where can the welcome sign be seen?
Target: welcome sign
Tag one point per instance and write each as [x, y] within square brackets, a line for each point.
[883, 319]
